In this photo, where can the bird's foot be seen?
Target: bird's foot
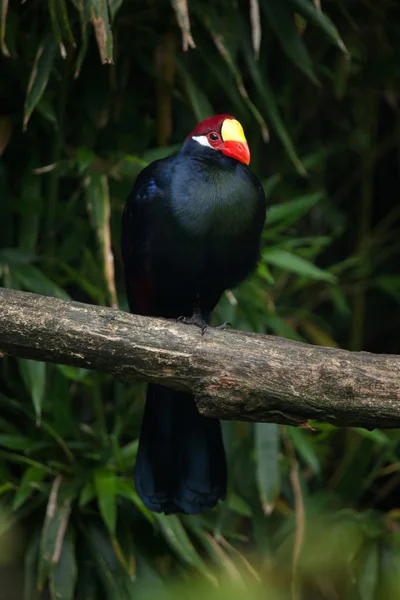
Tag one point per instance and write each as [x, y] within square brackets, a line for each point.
[197, 319]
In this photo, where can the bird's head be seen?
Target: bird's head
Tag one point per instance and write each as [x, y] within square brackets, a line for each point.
[222, 133]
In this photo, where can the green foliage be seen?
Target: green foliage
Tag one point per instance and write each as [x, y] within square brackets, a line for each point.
[311, 512]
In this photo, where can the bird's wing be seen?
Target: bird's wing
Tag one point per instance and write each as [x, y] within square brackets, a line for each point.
[137, 239]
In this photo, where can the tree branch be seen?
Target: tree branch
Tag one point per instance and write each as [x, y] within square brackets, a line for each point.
[233, 375]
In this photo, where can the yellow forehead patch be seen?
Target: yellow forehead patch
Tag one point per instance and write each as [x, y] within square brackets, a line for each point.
[232, 131]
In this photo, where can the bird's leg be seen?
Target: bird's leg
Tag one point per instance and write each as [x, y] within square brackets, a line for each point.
[198, 320]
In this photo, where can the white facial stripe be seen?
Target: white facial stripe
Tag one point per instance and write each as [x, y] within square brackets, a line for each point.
[202, 140]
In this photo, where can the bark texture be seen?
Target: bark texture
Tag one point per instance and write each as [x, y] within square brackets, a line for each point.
[232, 374]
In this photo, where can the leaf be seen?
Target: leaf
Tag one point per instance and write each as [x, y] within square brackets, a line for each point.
[3, 17]
[84, 18]
[15, 256]
[74, 373]
[102, 28]
[377, 436]
[55, 526]
[59, 19]
[64, 574]
[5, 132]
[255, 21]
[30, 567]
[210, 19]
[238, 505]
[87, 494]
[179, 541]
[304, 447]
[282, 328]
[40, 74]
[98, 202]
[14, 442]
[197, 98]
[114, 6]
[33, 280]
[389, 284]
[105, 484]
[292, 210]
[126, 489]
[296, 264]
[182, 16]
[317, 335]
[308, 10]
[267, 449]
[28, 484]
[56, 26]
[6, 487]
[34, 375]
[270, 104]
[282, 21]
[368, 575]
[109, 567]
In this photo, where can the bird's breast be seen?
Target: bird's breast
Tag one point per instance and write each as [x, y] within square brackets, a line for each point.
[214, 204]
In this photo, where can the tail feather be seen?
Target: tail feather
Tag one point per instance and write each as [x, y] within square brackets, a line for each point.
[180, 465]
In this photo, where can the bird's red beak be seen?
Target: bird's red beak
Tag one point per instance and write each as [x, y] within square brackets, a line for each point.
[235, 143]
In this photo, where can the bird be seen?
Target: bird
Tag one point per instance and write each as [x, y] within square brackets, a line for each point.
[191, 229]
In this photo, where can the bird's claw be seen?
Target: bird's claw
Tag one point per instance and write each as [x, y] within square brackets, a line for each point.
[223, 325]
[195, 319]
[198, 320]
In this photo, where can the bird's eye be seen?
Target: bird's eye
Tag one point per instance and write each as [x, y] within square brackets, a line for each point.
[213, 137]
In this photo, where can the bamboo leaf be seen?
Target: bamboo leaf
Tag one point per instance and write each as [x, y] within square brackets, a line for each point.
[64, 573]
[102, 28]
[33, 280]
[14, 442]
[30, 568]
[270, 104]
[369, 573]
[87, 494]
[62, 8]
[296, 264]
[105, 484]
[3, 18]
[34, 375]
[308, 10]
[109, 567]
[255, 20]
[182, 16]
[126, 489]
[29, 481]
[53, 6]
[210, 21]
[291, 211]
[197, 98]
[98, 202]
[53, 533]
[84, 19]
[179, 541]
[304, 447]
[40, 74]
[267, 446]
[282, 21]
[114, 6]
[317, 335]
[5, 132]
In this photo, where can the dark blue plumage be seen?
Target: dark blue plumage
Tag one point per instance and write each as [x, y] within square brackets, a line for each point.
[191, 230]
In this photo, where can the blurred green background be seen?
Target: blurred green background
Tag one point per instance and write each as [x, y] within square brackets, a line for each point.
[310, 514]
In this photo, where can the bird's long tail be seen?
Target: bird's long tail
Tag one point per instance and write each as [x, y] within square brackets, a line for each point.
[180, 465]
